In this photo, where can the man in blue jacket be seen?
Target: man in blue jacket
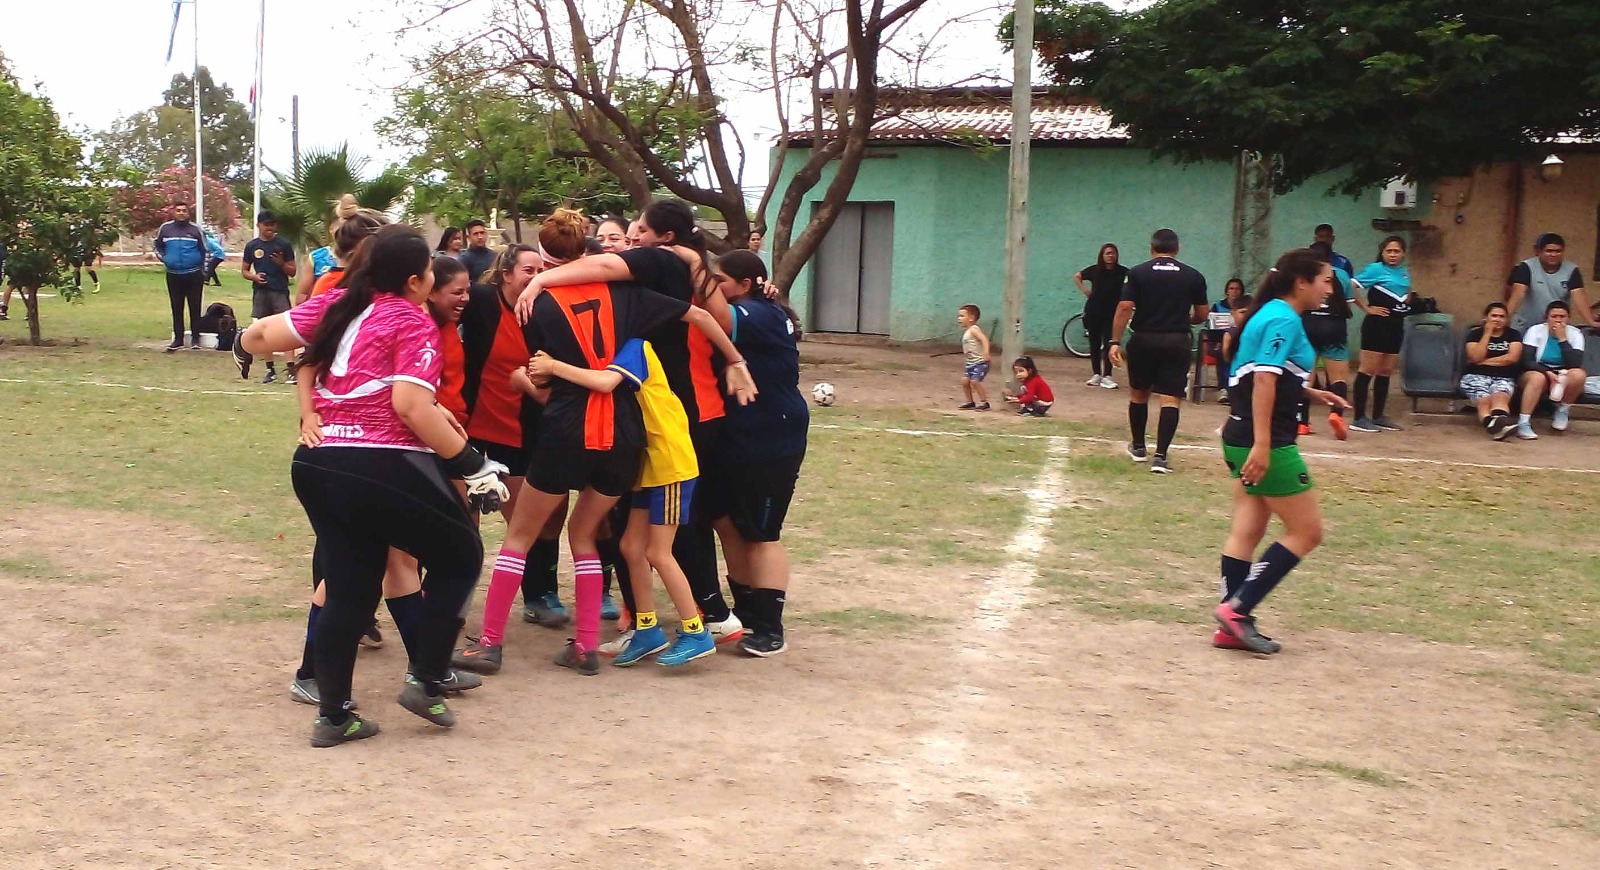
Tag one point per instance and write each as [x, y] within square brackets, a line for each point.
[182, 248]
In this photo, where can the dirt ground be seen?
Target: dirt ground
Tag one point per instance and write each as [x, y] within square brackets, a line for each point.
[149, 725]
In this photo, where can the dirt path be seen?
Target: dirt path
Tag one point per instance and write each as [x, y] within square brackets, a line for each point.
[149, 727]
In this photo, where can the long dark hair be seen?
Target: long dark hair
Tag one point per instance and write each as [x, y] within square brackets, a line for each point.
[742, 264]
[1100, 259]
[386, 261]
[677, 217]
[1300, 264]
[444, 239]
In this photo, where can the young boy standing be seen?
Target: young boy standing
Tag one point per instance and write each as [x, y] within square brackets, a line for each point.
[975, 347]
[268, 265]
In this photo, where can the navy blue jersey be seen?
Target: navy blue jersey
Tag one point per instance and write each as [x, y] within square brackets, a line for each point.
[258, 255]
[1273, 340]
[775, 423]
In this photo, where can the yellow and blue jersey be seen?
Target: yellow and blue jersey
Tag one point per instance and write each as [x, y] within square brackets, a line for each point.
[668, 452]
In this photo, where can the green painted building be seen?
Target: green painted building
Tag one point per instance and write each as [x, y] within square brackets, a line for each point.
[925, 229]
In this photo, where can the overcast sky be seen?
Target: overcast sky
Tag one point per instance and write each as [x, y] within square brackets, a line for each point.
[99, 60]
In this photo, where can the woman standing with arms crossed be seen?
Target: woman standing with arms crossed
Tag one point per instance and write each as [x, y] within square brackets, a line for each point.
[377, 480]
[1104, 290]
[1387, 286]
[1271, 372]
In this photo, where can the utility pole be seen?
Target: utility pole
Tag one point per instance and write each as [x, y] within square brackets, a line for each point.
[294, 132]
[1016, 280]
[199, 189]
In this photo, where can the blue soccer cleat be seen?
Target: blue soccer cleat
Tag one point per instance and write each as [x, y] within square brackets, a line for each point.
[609, 611]
[645, 642]
[688, 647]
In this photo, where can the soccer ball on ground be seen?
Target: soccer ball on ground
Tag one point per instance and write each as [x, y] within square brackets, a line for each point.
[823, 394]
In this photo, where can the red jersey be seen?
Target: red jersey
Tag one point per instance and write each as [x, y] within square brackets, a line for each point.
[454, 375]
[328, 279]
[1034, 389]
[497, 414]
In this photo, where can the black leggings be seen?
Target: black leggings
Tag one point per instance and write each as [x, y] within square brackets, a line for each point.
[77, 275]
[1098, 323]
[362, 501]
[695, 546]
[181, 289]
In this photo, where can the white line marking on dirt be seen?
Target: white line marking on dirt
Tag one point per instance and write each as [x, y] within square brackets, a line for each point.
[943, 766]
[1208, 448]
[144, 388]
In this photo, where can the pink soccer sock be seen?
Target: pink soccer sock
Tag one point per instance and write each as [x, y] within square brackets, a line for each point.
[503, 585]
[588, 581]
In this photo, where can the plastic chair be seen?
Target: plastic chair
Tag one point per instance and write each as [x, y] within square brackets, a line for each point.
[1431, 359]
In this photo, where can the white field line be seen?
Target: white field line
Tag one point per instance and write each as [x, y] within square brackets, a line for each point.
[943, 765]
[1211, 448]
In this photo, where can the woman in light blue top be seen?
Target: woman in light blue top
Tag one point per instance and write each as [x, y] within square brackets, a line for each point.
[1386, 288]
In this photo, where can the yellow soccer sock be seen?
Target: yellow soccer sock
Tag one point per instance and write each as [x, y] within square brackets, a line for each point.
[642, 621]
[693, 625]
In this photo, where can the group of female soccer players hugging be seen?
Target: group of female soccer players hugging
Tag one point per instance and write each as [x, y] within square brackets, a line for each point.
[658, 384]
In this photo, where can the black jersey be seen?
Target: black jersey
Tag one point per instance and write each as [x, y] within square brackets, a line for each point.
[585, 325]
[1164, 292]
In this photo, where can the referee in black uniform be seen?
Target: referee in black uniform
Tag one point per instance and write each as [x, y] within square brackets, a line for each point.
[1163, 298]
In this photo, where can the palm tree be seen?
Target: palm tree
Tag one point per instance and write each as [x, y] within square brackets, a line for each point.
[304, 201]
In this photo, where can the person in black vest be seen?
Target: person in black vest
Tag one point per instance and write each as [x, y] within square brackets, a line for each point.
[1163, 299]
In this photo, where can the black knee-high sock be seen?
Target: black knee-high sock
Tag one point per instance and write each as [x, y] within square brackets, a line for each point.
[695, 549]
[1138, 418]
[741, 603]
[611, 560]
[1234, 573]
[1363, 381]
[1166, 428]
[407, 613]
[539, 574]
[1275, 564]
[1340, 389]
[308, 668]
[768, 603]
[1380, 394]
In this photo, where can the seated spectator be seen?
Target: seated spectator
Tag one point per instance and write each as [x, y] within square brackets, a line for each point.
[1553, 356]
[1233, 303]
[1494, 358]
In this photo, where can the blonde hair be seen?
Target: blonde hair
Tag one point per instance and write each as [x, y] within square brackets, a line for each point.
[344, 208]
[564, 235]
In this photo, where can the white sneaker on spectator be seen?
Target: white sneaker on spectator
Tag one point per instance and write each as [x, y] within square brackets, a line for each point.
[1561, 417]
[1107, 383]
[1093, 381]
[1525, 432]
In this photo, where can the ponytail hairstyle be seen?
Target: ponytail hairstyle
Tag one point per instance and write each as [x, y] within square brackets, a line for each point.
[563, 237]
[507, 261]
[388, 260]
[1300, 264]
[344, 208]
[742, 264]
[676, 217]
[1026, 362]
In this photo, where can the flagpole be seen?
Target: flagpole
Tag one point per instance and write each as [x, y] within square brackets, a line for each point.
[199, 189]
[255, 105]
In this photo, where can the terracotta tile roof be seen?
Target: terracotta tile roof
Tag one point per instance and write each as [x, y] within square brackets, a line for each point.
[960, 114]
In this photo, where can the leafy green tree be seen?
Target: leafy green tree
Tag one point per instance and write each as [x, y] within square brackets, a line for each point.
[304, 200]
[163, 135]
[53, 206]
[477, 141]
[1373, 89]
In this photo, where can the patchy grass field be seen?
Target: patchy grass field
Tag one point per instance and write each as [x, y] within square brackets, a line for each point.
[1439, 647]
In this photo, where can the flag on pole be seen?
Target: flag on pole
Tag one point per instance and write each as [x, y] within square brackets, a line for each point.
[172, 40]
[255, 82]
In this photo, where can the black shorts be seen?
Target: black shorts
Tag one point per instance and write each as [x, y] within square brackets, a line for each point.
[560, 470]
[1158, 362]
[1326, 333]
[265, 303]
[1383, 334]
[754, 494]
[513, 458]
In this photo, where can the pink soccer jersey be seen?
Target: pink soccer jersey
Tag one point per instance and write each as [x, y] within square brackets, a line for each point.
[391, 341]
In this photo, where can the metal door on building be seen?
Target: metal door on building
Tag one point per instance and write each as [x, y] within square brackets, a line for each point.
[853, 272]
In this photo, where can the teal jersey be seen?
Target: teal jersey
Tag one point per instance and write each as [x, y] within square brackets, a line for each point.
[1273, 340]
